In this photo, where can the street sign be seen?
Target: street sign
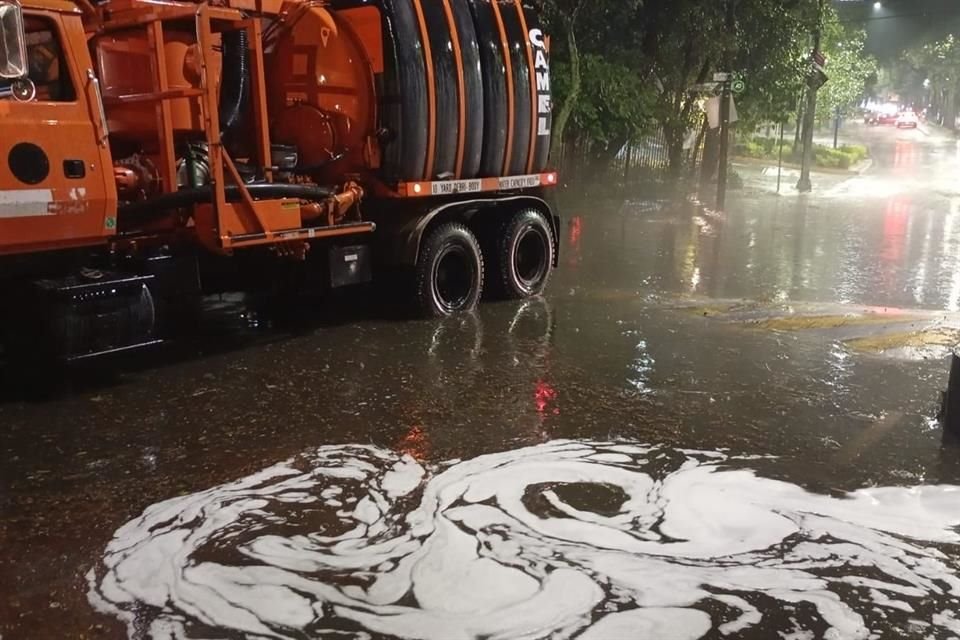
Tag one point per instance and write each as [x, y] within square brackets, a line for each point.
[713, 112]
[721, 77]
[738, 86]
[706, 87]
[817, 79]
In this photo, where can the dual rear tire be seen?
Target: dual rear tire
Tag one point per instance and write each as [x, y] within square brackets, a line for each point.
[514, 262]
[449, 274]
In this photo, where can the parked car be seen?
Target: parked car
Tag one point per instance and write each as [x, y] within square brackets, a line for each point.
[907, 120]
[877, 118]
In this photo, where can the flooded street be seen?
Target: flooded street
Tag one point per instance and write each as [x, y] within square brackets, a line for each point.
[716, 424]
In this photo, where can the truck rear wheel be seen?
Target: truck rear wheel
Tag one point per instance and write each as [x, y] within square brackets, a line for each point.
[449, 273]
[524, 257]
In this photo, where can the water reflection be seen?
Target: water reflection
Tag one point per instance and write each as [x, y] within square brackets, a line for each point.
[888, 237]
[605, 540]
[476, 368]
[900, 252]
[640, 369]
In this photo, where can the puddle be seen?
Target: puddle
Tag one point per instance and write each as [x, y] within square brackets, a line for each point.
[567, 539]
[807, 323]
[930, 344]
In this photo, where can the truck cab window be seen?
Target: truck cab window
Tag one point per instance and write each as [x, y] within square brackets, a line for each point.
[47, 65]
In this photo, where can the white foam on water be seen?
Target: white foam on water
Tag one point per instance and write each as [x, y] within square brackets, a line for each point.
[749, 617]
[567, 539]
[662, 624]
[947, 620]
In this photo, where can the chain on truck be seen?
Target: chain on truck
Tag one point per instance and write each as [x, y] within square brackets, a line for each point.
[152, 151]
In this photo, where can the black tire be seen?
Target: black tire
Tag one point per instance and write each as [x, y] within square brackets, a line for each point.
[524, 255]
[449, 272]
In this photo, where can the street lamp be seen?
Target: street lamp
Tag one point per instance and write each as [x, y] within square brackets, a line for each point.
[877, 6]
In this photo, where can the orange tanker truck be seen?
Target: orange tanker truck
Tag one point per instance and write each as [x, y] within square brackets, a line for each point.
[152, 151]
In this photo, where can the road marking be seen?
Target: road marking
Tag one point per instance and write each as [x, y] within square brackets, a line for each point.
[25, 203]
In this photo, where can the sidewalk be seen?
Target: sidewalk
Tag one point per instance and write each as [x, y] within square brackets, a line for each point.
[933, 130]
[761, 177]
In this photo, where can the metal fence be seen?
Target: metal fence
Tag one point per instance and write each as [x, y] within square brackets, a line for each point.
[651, 153]
[646, 156]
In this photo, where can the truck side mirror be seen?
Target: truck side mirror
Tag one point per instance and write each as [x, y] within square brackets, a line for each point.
[13, 42]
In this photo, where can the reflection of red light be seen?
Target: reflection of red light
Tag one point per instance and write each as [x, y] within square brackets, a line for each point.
[905, 156]
[576, 229]
[415, 443]
[895, 222]
[543, 396]
[895, 228]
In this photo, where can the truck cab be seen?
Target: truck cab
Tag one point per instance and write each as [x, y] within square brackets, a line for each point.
[56, 178]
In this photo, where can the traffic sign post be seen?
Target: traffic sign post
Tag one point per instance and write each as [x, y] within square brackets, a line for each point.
[725, 99]
[707, 87]
[724, 85]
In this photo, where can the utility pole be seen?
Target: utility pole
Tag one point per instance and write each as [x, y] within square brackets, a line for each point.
[836, 129]
[780, 162]
[726, 97]
[809, 117]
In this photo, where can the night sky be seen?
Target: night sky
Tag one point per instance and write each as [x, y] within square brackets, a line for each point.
[901, 24]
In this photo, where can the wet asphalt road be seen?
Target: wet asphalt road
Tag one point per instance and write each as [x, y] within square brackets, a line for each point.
[655, 331]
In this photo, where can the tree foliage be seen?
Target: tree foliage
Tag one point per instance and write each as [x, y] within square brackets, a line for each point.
[772, 58]
[580, 27]
[940, 61]
[621, 67]
[849, 68]
[615, 104]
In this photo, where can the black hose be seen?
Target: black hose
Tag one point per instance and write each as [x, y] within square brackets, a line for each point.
[139, 211]
[235, 81]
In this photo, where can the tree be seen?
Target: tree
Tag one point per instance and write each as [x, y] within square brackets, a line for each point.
[621, 65]
[682, 41]
[572, 22]
[941, 61]
[561, 18]
[772, 59]
[615, 106]
[849, 68]
[687, 40]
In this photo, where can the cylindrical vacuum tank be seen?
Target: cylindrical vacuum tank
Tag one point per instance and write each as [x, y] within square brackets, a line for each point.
[464, 89]
[321, 93]
[516, 83]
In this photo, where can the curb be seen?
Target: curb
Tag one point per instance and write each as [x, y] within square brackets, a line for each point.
[853, 171]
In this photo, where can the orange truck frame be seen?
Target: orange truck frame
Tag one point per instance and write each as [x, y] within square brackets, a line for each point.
[152, 151]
